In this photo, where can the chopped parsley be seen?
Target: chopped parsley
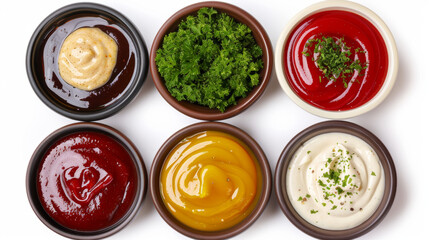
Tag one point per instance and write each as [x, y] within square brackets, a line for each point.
[211, 60]
[373, 173]
[333, 175]
[345, 180]
[333, 58]
[334, 182]
[313, 211]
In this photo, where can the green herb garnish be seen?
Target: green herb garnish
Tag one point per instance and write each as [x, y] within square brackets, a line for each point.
[313, 211]
[333, 58]
[373, 173]
[211, 60]
[334, 183]
[333, 175]
[345, 180]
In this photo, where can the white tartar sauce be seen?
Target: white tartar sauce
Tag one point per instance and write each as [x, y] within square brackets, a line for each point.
[335, 181]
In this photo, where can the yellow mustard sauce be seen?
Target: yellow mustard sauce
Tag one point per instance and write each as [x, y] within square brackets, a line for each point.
[210, 181]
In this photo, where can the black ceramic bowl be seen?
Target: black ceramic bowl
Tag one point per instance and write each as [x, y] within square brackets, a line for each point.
[33, 169]
[127, 77]
[339, 127]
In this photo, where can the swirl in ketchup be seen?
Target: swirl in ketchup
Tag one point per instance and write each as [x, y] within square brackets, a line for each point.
[87, 181]
[366, 45]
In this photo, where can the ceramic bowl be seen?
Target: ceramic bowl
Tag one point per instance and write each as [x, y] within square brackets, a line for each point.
[42, 63]
[339, 127]
[392, 66]
[202, 112]
[189, 131]
[37, 157]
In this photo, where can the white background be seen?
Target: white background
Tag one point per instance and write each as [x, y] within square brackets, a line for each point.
[400, 121]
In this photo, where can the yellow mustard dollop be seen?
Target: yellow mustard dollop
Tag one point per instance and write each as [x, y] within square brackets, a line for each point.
[87, 58]
[210, 181]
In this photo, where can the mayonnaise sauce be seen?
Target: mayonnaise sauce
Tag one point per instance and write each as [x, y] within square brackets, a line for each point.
[335, 181]
[87, 58]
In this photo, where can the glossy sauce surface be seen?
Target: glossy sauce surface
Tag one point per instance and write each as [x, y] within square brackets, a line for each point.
[303, 73]
[87, 58]
[210, 181]
[47, 65]
[86, 181]
[335, 181]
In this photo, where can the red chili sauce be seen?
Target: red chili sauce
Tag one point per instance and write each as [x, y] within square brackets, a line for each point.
[86, 181]
[303, 73]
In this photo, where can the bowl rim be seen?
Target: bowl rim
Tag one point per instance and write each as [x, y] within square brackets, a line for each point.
[136, 82]
[362, 11]
[36, 158]
[244, 103]
[329, 127]
[171, 142]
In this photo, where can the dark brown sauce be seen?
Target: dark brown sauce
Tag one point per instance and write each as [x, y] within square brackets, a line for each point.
[74, 98]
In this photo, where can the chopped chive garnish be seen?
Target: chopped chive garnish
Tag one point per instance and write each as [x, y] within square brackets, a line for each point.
[333, 58]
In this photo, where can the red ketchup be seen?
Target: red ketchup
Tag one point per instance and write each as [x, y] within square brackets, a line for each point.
[358, 33]
[86, 181]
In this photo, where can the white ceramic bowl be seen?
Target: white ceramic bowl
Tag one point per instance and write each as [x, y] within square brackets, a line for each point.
[387, 36]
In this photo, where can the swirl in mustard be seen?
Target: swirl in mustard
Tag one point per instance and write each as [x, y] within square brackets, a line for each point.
[210, 181]
[87, 58]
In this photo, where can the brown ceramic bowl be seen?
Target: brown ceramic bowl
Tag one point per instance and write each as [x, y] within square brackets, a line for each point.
[341, 127]
[191, 130]
[37, 157]
[202, 112]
